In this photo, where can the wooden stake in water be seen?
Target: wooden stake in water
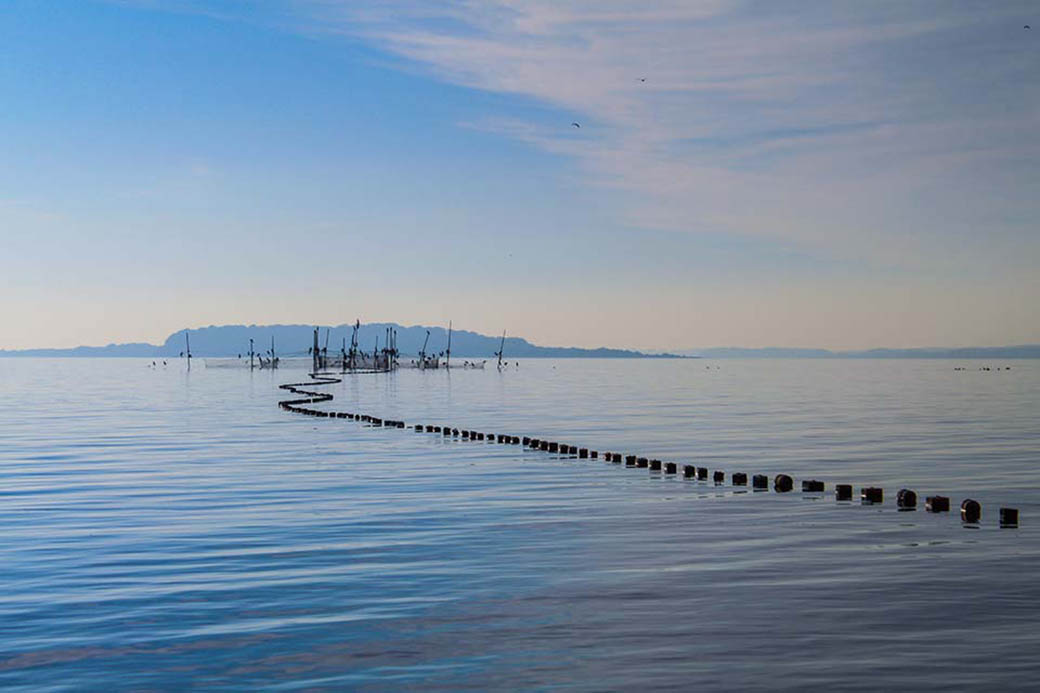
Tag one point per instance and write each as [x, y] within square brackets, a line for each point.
[447, 352]
[501, 348]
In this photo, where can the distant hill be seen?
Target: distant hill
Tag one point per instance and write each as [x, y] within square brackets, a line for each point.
[1024, 351]
[290, 340]
[294, 340]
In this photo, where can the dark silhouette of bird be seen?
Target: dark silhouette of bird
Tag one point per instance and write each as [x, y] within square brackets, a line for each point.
[575, 125]
[642, 79]
[1026, 26]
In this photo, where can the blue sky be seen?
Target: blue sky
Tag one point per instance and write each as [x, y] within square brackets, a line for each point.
[808, 174]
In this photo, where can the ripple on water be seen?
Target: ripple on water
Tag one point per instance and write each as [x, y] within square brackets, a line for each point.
[187, 532]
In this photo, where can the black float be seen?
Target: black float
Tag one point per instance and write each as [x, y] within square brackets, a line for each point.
[871, 495]
[971, 511]
[906, 499]
[937, 504]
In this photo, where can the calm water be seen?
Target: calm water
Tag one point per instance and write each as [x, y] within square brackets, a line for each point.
[165, 529]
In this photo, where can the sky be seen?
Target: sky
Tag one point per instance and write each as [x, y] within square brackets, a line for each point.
[809, 174]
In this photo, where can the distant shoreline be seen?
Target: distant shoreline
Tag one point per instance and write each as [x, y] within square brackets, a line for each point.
[229, 341]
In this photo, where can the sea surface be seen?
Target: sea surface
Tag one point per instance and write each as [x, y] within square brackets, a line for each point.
[164, 529]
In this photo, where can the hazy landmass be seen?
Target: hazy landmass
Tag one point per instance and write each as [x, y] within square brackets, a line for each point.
[1023, 351]
[290, 340]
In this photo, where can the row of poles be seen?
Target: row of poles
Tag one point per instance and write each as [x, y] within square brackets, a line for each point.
[906, 499]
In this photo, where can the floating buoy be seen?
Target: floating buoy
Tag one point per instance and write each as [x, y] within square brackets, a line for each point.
[760, 481]
[702, 473]
[971, 511]
[718, 477]
[739, 479]
[554, 447]
[465, 434]
[447, 431]
[454, 433]
[543, 445]
[535, 443]
[593, 454]
[689, 471]
[782, 483]
[1009, 517]
[516, 440]
[643, 462]
[573, 450]
[937, 504]
[527, 440]
[655, 465]
[906, 499]
[843, 492]
[669, 468]
[583, 453]
[630, 460]
[616, 457]
[871, 495]
[812, 486]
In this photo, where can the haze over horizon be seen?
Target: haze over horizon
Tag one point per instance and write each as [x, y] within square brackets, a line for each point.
[833, 175]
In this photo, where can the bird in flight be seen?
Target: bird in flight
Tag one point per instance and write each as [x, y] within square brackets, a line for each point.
[1026, 26]
[575, 125]
[642, 79]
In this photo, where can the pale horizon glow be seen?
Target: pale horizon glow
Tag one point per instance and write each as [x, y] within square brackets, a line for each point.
[837, 175]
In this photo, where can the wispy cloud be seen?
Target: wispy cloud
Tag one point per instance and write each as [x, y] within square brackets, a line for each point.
[855, 128]
[887, 131]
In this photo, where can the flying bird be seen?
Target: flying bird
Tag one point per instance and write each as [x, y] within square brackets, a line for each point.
[642, 79]
[575, 125]
[1026, 26]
